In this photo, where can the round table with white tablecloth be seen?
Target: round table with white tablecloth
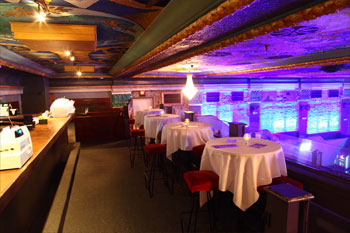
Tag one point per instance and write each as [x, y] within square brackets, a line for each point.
[179, 136]
[243, 167]
[154, 123]
[140, 115]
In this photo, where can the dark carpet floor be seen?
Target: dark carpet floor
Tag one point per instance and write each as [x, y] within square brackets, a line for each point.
[110, 196]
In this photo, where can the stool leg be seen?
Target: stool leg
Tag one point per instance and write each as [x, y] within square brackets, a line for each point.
[211, 212]
[165, 173]
[192, 209]
[151, 177]
[132, 155]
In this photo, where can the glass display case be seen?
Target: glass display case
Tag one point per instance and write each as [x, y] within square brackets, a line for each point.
[331, 156]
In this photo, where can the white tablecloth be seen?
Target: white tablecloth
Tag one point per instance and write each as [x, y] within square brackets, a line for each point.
[177, 136]
[242, 169]
[140, 115]
[154, 123]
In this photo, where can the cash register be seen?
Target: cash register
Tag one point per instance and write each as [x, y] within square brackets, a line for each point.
[15, 147]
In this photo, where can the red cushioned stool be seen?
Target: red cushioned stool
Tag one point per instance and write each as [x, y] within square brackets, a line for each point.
[155, 153]
[198, 181]
[136, 135]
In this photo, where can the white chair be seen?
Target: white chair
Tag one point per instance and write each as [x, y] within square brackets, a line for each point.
[219, 127]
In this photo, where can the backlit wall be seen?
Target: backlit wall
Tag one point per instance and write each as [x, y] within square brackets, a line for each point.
[279, 109]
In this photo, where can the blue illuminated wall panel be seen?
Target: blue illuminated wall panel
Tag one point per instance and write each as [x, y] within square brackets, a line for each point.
[324, 116]
[208, 109]
[279, 116]
[225, 107]
[240, 113]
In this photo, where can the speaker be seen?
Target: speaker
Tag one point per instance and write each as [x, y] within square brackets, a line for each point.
[304, 108]
[345, 117]
[237, 129]
[189, 115]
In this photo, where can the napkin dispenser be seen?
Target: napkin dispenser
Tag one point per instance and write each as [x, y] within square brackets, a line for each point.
[4, 110]
[15, 147]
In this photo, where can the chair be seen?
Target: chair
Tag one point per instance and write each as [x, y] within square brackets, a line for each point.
[200, 181]
[155, 154]
[138, 136]
[219, 127]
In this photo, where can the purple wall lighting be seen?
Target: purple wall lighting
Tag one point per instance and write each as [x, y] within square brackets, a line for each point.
[226, 109]
[323, 116]
[279, 116]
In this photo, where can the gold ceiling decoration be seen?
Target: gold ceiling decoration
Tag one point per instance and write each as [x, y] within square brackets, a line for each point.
[55, 37]
[225, 9]
[326, 62]
[288, 21]
[84, 69]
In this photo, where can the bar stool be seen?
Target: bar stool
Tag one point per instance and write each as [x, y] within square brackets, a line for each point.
[200, 181]
[138, 136]
[155, 154]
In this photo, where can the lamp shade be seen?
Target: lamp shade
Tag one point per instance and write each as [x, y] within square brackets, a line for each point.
[189, 90]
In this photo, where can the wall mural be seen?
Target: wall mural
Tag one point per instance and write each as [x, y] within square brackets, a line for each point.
[119, 23]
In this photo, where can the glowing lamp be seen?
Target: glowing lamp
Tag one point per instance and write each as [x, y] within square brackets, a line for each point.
[189, 90]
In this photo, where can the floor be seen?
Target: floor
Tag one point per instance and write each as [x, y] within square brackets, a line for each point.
[109, 196]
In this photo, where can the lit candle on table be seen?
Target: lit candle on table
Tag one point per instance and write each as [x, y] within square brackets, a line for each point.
[246, 138]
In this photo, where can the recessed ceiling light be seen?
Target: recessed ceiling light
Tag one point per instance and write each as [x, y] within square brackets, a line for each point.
[72, 58]
[78, 73]
[67, 53]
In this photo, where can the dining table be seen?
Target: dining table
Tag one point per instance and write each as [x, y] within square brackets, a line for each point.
[140, 115]
[243, 166]
[184, 136]
[154, 123]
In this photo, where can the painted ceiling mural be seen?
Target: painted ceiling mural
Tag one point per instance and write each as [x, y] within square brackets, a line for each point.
[325, 34]
[118, 24]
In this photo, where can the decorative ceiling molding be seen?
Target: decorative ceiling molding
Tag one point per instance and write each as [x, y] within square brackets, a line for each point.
[287, 21]
[15, 61]
[23, 68]
[70, 89]
[77, 77]
[326, 62]
[11, 90]
[225, 9]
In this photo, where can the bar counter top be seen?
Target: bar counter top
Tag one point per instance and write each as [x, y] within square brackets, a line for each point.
[43, 137]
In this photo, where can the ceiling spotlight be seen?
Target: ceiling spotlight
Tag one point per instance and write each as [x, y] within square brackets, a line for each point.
[72, 58]
[43, 10]
[78, 73]
[41, 16]
[67, 53]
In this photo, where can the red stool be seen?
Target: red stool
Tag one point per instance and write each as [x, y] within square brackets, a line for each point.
[155, 154]
[200, 181]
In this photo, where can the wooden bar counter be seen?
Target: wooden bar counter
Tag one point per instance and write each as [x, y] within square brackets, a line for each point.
[22, 190]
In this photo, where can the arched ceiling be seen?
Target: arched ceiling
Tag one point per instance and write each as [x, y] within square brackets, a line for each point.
[116, 24]
[265, 38]
[161, 39]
